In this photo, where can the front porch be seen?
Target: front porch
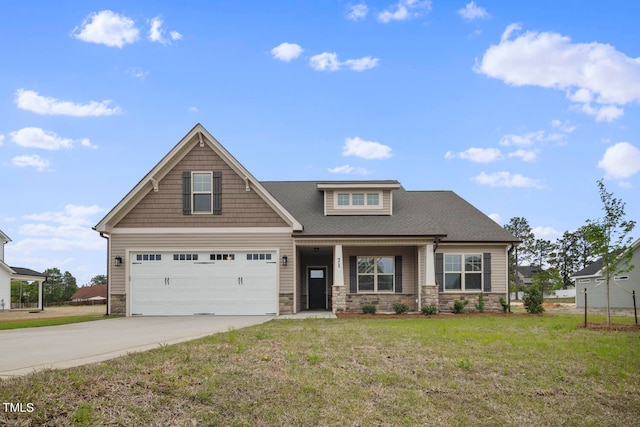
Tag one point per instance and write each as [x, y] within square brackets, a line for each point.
[344, 276]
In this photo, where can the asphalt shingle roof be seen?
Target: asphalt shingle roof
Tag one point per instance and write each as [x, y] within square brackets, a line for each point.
[415, 213]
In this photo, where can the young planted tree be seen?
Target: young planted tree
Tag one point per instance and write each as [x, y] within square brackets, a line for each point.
[609, 238]
[520, 228]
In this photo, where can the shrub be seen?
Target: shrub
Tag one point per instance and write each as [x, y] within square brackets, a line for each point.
[459, 306]
[428, 310]
[480, 304]
[532, 300]
[504, 304]
[400, 308]
[369, 309]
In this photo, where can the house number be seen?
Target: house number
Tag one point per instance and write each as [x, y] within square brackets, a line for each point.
[338, 259]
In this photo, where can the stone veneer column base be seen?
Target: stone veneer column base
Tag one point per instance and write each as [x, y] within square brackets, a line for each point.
[430, 296]
[118, 304]
[339, 299]
[286, 303]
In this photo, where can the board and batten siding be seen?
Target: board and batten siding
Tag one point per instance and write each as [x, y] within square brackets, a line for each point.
[122, 244]
[409, 263]
[619, 294]
[331, 209]
[163, 208]
[498, 261]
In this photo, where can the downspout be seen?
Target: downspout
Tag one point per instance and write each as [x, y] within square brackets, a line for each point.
[108, 272]
[513, 245]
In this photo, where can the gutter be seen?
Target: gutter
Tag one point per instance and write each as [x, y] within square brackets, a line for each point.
[513, 246]
[108, 272]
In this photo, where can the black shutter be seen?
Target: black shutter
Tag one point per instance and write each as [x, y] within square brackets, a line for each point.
[217, 193]
[353, 275]
[398, 275]
[186, 193]
[440, 271]
[486, 268]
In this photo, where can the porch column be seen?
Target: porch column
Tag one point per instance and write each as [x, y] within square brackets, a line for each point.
[339, 293]
[338, 266]
[430, 294]
[430, 277]
[40, 295]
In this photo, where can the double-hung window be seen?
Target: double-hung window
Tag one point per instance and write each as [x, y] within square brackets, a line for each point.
[463, 272]
[202, 192]
[375, 274]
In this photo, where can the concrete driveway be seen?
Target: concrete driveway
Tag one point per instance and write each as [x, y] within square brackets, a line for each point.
[23, 351]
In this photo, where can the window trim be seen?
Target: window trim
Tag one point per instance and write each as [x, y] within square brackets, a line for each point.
[463, 273]
[194, 192]
[375, 274]
[337, 199]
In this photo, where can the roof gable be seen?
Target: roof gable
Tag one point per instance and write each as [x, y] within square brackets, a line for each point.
[594, 268]
[198, 136]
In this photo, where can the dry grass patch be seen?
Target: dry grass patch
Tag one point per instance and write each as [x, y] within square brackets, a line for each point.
[462, 370]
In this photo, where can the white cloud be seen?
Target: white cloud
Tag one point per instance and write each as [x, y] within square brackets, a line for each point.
[32, 101]
[524, 140]
[361, 64]
[587, 72]
[108, 28]
[525, 155]
[194, 109]
[546, 233]
[328, 61]
[85, 142]
[625, 184]
[496, 217]
[564, 127]
[33, 160]
[356, 12]
[1, 139]
[472, 11]
[365, 149]
[157, 33]
[286, 51]
[349, 170]
[405, 9]
[506, 179]
[69, 228]
[478, 155]
[621, 160]
[38, 138]
[137, 72]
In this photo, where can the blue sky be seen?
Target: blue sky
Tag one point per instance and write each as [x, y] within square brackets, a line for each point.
[519, 107]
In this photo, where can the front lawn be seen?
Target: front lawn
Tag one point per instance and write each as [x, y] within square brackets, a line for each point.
[460, 370]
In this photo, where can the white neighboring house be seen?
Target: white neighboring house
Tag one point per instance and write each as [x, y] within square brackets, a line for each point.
[7, 274]
[620, 288]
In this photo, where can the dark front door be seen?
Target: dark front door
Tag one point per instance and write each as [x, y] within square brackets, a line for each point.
[317, 288]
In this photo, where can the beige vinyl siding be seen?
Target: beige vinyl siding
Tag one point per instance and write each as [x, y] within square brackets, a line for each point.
[164, 207]
[331, 209]
[121, 243]
[409, 263]
[498, 261]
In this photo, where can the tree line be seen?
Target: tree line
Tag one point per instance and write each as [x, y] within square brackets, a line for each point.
[606, 238]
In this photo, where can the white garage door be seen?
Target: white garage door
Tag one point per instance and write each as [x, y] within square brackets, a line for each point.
[196, 282]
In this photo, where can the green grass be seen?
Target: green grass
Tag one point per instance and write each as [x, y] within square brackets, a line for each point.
[460, 370]
[34, 323]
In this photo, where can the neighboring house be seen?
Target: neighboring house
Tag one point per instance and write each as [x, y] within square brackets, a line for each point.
[97, 293]
[620, 287]
[526, 274]
[7, 274]
[200, 235]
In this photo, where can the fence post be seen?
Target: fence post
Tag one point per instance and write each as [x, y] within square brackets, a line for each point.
[635, 310]
[585, 307]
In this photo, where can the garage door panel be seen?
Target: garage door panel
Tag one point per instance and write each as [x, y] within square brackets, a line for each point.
[241, 284]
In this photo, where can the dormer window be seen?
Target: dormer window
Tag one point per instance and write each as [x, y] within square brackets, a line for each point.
[355, 200]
